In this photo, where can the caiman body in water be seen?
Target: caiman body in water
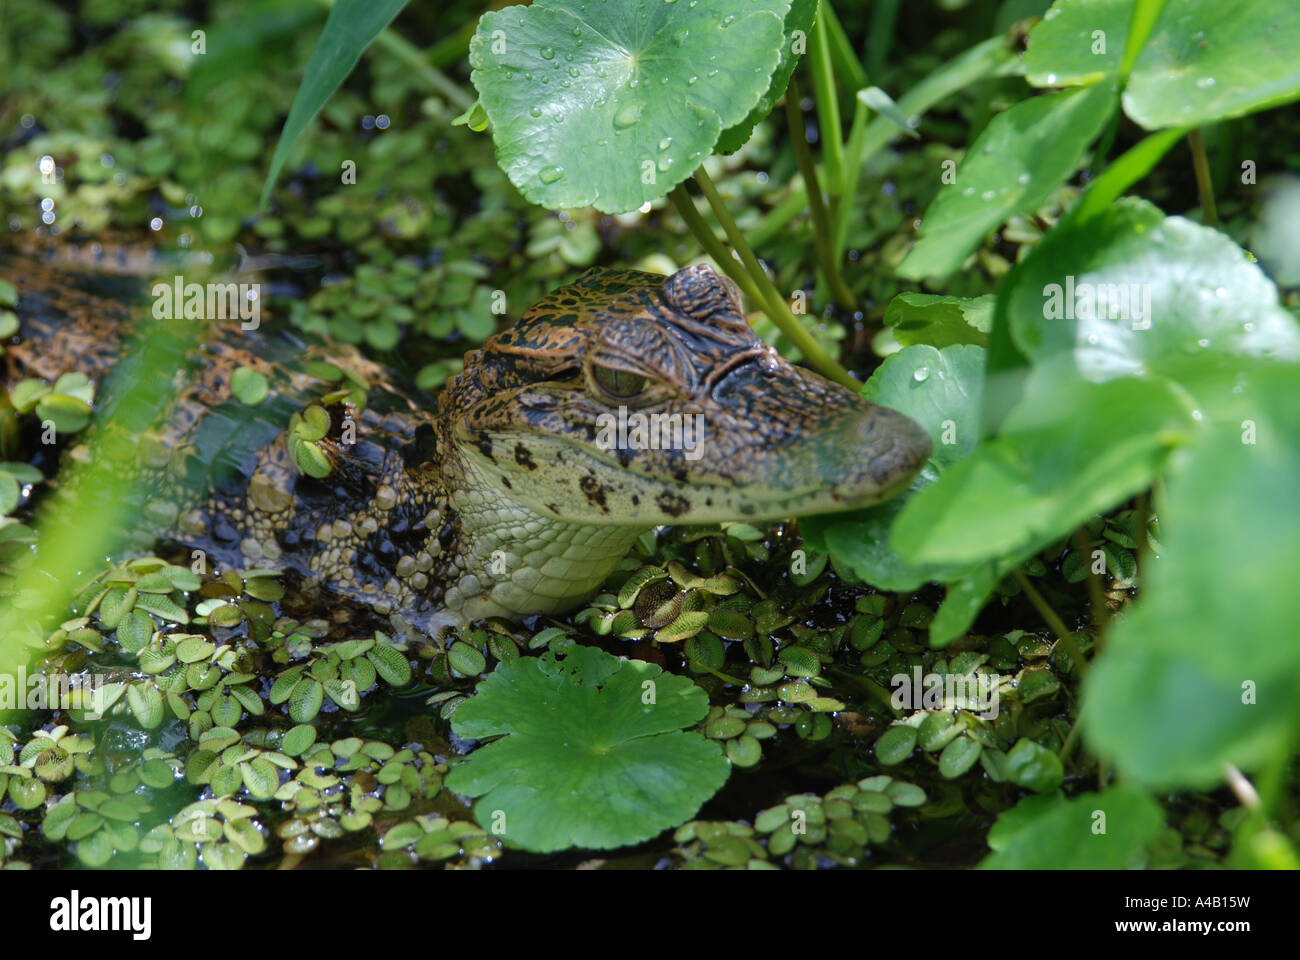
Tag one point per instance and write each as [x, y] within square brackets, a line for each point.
[509, 499]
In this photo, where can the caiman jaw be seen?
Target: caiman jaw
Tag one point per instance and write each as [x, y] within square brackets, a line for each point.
[628, 400]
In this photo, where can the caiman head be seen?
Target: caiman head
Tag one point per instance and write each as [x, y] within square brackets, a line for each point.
[627, 400]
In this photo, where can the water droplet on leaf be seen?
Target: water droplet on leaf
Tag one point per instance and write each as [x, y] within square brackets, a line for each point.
[627, 115]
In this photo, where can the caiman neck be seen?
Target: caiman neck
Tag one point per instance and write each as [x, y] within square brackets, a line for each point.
[510, 558]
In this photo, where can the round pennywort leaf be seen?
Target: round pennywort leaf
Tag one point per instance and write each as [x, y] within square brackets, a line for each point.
[614, 104]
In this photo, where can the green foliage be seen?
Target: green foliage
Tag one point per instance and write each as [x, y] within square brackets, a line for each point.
[1145, 470]
[920, 318]
[1047, 471]
[1202, 62]
[574, 731]
[1204, 703]
[1106, 831]
[939, 389]
[1025, 154]
[595, 105]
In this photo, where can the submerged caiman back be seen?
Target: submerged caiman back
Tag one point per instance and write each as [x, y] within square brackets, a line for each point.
[215, 474]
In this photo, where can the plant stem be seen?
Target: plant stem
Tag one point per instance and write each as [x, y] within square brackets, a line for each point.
[1054, 621]
[828, 107]
[1142, 517]
[1097, 596]
[852, 171]
[821, 223]
[770, 297]
[1209, 216]
[1242, 788]
[712, 245]
[843, 58]
[880, 35]
[775, 220]
[988, 59]
[1071, 739]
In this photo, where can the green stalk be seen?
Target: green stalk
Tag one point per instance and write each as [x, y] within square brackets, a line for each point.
[771, 298]
[852, 167]
[821, 223]
[1054, 621]
[1096, 594]
[843, 58]
[775, 220]
[880, 35]
[409, 54]
[1071, 739]
[712, 245]
[1204, 186]
[828, 107]
[1141, 520]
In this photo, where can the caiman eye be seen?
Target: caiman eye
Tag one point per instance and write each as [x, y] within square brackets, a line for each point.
[619, 383]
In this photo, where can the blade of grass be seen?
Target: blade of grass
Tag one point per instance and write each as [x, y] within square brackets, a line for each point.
[884, 13]
[821, 222]
[1145, 15]
[828, 107]
[1204, 185]
[866, 100]
[93, 518]
[991, 58]
[352, 25]
[843, 57]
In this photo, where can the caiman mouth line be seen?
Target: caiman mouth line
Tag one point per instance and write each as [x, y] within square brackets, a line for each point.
[501, 503]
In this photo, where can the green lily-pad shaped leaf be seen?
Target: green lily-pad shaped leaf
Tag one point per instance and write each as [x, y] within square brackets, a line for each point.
[1171, 702]
[940, 321]
[1077, 42]
[1208, 61]
[74, 384]
[1068, 451]
[1203, 62]
[1131, 292]
[798, 23]
[1022, 156]
[591, 754]
[613, 104]
[940, 390]
[1093, 831]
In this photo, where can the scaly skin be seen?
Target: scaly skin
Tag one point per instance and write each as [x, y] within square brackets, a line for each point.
[509, 500]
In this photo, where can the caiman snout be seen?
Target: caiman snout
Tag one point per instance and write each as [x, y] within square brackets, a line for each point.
[833, 450]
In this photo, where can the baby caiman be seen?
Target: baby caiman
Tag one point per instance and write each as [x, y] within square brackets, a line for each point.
[530, 479]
